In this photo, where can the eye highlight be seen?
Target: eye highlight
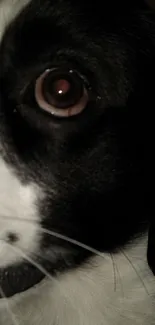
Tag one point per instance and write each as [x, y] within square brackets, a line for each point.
[61, 92]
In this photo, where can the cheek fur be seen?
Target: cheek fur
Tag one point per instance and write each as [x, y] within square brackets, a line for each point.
[18, 203]
[9, 9]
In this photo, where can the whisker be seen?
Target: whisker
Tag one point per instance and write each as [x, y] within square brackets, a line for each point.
[29, 259]
[60, 236]
[114, 272]
[35, 264]
[73, 241]
[134, 268]
[86, 247]
[10, 313]
[5, 218]
[119, 275]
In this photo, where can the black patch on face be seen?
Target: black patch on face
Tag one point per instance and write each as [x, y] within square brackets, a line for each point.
[100, 164]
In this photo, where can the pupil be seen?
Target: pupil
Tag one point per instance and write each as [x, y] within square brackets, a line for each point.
[62, 89]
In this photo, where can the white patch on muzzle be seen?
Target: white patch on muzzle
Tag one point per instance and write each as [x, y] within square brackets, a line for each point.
[18, 216]
[18, 211]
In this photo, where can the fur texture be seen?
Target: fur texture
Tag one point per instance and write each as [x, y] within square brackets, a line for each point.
[92, 294]
[87, 179]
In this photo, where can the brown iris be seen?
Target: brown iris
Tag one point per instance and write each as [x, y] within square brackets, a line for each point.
[61, 92]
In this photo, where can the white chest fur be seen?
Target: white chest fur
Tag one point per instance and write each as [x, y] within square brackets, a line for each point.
[107, 291]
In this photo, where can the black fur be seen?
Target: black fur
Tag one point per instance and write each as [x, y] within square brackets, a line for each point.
[101, 163]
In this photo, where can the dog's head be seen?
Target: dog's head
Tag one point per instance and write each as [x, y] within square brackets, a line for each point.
[76, 132]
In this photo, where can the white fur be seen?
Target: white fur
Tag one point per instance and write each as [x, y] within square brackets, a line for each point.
[9, 9]
[17, 201]
[87, 296]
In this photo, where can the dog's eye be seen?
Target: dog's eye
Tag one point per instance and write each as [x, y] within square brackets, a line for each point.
[61, 92]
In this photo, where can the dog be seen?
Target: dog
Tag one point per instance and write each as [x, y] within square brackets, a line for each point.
[77, 232]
